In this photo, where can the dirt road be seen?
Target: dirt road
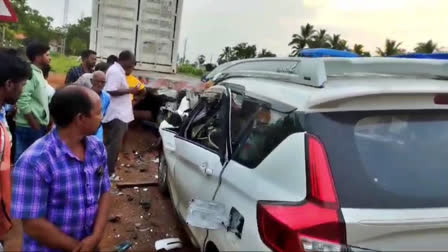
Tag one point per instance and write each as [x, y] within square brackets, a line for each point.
[141, 226]
[132, 222]
[56, 80]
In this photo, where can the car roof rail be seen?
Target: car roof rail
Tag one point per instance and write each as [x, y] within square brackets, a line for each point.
[303, 71]
[315, 71]
[389, 66]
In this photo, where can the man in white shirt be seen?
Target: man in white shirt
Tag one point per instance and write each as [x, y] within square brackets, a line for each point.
[120, 112]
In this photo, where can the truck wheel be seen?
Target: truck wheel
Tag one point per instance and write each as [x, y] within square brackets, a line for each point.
[163, 175]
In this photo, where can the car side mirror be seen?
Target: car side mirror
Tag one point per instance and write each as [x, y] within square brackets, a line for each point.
[175, 119]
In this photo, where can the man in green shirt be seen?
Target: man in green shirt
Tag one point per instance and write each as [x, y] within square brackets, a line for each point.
[33, 115]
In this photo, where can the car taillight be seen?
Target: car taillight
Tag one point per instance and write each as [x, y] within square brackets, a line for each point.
[441, 99]
[314, 225]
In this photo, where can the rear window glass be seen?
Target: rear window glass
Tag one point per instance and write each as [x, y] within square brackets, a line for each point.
[386, 159]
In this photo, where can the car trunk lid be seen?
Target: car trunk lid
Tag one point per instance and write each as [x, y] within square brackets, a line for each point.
[390, 173]
[397, 229]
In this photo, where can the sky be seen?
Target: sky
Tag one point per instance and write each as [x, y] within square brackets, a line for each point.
[210, 25]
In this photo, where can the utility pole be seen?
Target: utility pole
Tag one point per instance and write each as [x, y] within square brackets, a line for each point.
[65, 23]
[185, 51]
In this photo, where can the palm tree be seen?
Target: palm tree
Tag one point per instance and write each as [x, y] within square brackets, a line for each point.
[320, 40]
[426, 47]
[337, 43]
[334, 41]
[245, 51]
[226, 55]
[343, 45]
[392, 47]
[296, 50]
[266, 54]
[359, 49]
[303, 39]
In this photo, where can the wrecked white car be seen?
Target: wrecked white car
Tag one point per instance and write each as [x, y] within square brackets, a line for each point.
[313, 155]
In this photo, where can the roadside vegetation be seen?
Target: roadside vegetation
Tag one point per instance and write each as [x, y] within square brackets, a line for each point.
[61, 64]
[191, 70]
[310, 37]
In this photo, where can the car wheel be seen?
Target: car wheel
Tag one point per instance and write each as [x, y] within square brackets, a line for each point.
[163, 175]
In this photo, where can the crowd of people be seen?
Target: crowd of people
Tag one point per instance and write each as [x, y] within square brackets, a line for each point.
[65, 143]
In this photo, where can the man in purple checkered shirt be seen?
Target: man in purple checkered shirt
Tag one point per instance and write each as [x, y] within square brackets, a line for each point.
[61, 183]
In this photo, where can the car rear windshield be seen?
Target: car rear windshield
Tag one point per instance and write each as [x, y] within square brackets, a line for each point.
[395, 159]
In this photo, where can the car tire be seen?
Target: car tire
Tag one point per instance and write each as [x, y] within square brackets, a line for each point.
[163, 175]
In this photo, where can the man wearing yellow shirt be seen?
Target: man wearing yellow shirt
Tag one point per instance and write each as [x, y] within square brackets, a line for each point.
[133, 82]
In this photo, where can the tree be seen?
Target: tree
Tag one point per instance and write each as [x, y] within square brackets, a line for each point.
[359, 49]
[343, 45]
[266, 54]
[296, 49]
[36, 27]
[77, 45]
[392, 47]
[31, 23]
[227, 55]
[426, 47]
[80, 31]
[320, 40]
[245, 51]
[300, 41]
[201, 60]
[335, 41]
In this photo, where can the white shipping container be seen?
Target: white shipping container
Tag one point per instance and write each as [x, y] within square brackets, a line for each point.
[149, 28]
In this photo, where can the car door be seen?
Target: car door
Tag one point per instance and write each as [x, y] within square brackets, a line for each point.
[169, 150]
[201, 151]
[266, 165]
[240, 206]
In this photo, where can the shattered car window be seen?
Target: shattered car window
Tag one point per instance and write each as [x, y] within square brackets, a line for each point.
[266, 131]
[206, 127]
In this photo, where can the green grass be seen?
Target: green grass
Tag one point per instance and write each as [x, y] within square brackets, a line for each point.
[61, 63]
[190, 70]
